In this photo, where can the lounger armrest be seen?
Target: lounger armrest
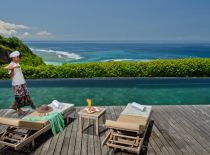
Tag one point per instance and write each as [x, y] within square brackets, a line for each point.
[122, 125]
[9, 121]
[21, 123]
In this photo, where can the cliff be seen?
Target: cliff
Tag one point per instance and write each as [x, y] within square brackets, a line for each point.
[7, 45]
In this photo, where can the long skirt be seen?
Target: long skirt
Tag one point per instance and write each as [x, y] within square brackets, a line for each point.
[22, 97]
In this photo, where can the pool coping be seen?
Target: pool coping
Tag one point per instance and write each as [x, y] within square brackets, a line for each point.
[117, 78]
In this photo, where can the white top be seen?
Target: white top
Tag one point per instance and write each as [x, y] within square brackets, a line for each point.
[18, 78]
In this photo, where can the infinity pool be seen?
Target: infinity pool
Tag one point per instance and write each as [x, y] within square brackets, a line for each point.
[108, 91]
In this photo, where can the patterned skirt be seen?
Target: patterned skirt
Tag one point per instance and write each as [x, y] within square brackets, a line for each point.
[22, 97]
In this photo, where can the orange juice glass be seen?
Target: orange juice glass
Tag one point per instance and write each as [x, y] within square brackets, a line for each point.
[89, 102]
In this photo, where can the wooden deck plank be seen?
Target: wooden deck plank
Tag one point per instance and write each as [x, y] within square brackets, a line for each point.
[203, 117]
[160, 145]
[38, 150]
[151, 150]
[204, 109]
[169, 133]
[53, 145]
[65, 146]
[190, 143]
[154, 146]
[91, 135]
[84, 148]
[2, 114]
[73, 135]
[60, 142]
[96, 140]
[78, 143]
[191, 119]
[156, 133]
[102, 136]
[187, 137]
[177, 130]
[190, 129]
[46, 147]
[166, 140]
[97, 145]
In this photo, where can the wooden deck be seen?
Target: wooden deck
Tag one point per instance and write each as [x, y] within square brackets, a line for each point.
[178, 130]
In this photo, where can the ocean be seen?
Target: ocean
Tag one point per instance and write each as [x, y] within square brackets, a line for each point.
[61, 52]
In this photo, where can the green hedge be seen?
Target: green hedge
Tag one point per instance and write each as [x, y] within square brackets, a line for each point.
[158, 68]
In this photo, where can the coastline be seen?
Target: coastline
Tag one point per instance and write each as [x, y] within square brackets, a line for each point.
[83, 52]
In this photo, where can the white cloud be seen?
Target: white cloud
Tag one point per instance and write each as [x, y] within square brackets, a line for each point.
[25, 34]
[44, 33]
[10, 29]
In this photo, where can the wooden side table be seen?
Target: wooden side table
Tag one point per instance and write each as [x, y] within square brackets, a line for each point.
[95, 116]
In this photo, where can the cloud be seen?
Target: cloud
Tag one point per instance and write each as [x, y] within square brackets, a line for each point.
[25, 34]
[21, 31]
[44, 33]
[10, 29]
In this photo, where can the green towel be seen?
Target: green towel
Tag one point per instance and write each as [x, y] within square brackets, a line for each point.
[55, 119]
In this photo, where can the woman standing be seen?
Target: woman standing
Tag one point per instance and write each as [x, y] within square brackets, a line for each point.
[21, 93]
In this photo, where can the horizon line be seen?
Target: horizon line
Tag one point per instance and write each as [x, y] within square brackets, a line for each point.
[124, 41]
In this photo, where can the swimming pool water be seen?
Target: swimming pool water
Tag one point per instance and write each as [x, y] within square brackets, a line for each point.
[154, 91]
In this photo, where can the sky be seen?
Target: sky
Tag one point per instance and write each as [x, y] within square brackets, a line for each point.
[170, 20]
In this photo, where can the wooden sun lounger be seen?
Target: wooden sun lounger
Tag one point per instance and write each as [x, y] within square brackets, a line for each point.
[128, 132]
[20, 132]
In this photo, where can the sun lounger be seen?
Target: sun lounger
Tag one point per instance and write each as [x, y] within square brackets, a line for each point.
[129, 130]
[20, 132]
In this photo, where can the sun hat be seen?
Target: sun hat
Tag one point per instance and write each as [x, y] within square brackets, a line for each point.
[44, 109]
[14, 54]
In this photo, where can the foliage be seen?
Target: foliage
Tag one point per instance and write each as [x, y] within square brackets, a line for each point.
[13, 43]
[197, 67]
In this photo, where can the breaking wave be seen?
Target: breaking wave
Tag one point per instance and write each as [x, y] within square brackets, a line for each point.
[60, 54]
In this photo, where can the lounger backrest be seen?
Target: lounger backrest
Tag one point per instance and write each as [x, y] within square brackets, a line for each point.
[21, 123]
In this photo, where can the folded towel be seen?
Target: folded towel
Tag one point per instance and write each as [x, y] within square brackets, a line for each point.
[57, 104]
[138, 106]
[55, 119]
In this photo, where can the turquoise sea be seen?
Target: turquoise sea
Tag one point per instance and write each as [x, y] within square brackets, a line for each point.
[59, 52]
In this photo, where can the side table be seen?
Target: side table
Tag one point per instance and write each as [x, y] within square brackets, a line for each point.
[95, 116]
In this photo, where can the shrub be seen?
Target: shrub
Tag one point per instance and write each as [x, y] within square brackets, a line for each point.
[13, 43]
[197, 67]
